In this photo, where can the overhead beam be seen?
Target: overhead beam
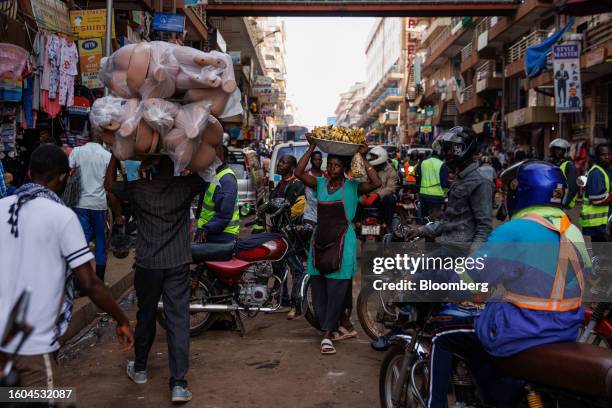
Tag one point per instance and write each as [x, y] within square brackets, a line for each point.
[372, 9]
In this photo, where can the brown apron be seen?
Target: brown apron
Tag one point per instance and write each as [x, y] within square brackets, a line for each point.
[328, 242]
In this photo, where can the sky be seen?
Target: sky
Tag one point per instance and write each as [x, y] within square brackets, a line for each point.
[325, 56]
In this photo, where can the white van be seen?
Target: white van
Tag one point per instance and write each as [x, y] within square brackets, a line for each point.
[296, 149]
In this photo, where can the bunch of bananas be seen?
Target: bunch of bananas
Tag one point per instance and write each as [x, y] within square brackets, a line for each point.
[340, 134]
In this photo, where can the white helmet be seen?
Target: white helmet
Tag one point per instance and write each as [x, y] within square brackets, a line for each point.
[560, 143]
[377, 155]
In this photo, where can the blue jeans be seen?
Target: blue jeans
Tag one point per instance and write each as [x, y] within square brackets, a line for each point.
[297, 273]
[93, 223]
[457, 336]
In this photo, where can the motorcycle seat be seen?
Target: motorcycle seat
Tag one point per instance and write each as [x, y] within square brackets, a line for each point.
[212, 252]
[577, 367]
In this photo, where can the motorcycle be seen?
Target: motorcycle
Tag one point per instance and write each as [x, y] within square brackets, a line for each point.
[558, 374]
[16, 325]
[238, 278]
[407, 206]
[369, 226]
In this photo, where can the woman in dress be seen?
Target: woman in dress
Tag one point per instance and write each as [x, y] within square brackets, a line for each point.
[332, 258]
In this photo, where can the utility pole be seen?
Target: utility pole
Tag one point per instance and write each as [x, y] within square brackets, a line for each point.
[108, 47]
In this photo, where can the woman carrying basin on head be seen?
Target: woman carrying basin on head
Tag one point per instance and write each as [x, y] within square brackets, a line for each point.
[332, 258]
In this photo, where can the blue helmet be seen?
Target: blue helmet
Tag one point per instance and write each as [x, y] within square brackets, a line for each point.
[533, 182]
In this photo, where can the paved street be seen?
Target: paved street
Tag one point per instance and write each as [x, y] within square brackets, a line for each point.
[277, 363]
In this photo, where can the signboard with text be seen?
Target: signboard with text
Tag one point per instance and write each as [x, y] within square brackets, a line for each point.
[89, 23]
[51, 15]
[90, 53]
[566, 73]
[169, 22]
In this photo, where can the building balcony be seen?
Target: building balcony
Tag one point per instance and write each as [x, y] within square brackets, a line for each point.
[509, 29]
[532, 115]
[515, 56]
[436, 26]
[596, 59]
[469, 100]
[487, 79]
[389, 118]
[470, 57]
[446, 44]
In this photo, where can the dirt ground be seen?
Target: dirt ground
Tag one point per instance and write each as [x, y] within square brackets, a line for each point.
[277, 363]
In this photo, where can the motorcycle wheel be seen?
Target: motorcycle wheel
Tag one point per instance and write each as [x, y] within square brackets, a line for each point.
[388, 377]
[198, 322]
[307, 304]
[371, 313]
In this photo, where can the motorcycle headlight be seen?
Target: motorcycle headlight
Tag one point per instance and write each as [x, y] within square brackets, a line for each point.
[411, 169]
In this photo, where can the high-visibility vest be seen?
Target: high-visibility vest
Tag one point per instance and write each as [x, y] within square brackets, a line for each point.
[430, 177]
[410, 171]
[563, 168]
[394, 163]
[595, 215]
[556, 301]
[208, 206]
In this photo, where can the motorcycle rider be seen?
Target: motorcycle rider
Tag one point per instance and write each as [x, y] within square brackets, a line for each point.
[467, 219]
[541, 259]
[597, 198]
[384, 196]
[558, 156]
[432, 181]
[410, 168]
[219, 219]
[468, 216]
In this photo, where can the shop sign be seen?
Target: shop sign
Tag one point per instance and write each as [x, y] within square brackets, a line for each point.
[426, 129]
[169, 22]
[263, 80]
[236, 57]
[90, 53]
[429, 111]
[89, 23]
[566, 72]
[595, 57]
[51, 15]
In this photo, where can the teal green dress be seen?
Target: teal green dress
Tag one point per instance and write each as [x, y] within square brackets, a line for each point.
[348, 267]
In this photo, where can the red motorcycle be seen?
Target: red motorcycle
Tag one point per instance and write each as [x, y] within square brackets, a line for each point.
[236, 278]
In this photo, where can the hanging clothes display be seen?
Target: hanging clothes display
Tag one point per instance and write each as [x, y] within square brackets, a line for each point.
[53, 54]
[69, 58]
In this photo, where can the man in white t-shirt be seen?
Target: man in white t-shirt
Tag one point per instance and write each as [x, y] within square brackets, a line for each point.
[42, 248]
[92, 160]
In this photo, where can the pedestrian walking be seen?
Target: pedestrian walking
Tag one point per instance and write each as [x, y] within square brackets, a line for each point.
[91, 160]
[332, 259]
[161, 206]
[43, 250]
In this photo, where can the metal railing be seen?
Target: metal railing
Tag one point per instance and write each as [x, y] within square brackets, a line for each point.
[485, 69]
[518, 49]
[598, 34]
[466, 52]
[439, 40]
[466, 94]
[482, 26]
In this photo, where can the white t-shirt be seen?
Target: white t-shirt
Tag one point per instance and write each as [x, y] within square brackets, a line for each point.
[92, 161]
[50, 236]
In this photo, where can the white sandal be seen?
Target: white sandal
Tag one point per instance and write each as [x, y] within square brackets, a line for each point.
[327, 347]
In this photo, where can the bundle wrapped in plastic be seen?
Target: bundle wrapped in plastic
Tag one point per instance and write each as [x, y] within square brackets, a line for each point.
[114, 69]
[357, 167]
[110, 112]
[204, 70]
[162, 71]
[159, 114]
[193, 118]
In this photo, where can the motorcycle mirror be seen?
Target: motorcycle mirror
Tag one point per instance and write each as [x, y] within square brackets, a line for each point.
[16, 322]
[581, 181]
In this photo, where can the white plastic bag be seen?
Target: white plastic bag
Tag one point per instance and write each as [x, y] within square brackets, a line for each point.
[159, 114]
[162, 72]
[193, 118]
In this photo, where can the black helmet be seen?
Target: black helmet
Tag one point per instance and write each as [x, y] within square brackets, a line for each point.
[456, 146]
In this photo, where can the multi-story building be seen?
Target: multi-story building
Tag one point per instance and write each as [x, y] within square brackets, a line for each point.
[348, 111]
[384, 96]
[471, 71]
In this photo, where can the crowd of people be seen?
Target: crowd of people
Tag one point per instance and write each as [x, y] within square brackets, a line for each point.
[456, 189]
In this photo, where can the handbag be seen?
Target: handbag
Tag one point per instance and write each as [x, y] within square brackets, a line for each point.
[72, 193]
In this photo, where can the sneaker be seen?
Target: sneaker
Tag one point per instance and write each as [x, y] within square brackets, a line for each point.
[180, 394]
[292, 313]
[139, 377]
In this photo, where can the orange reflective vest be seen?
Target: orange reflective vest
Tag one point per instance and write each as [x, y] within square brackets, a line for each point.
[556, 302]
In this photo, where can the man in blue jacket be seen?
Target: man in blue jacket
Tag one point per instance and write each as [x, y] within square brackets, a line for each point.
[541, 260]
[219, 219]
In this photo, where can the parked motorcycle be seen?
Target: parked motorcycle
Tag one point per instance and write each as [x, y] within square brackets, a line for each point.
[369, 227]
[239, 277]
[407, 205]
[555, 375]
